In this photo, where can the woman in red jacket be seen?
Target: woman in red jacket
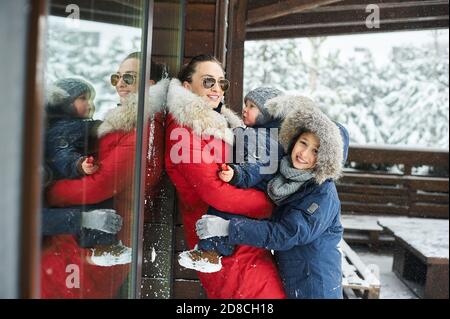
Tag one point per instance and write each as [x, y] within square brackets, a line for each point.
[116, 158]
[198, 141]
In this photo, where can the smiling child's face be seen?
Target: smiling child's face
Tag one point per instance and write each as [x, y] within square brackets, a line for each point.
[304, 153]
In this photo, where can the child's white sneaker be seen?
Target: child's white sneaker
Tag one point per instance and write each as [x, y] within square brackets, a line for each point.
[110, 255]
[199, 260]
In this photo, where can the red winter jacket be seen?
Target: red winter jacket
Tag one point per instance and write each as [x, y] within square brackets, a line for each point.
[117, 149]
[192, 166]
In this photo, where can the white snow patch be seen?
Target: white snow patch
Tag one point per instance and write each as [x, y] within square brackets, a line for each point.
[428, 236]
[153, 254]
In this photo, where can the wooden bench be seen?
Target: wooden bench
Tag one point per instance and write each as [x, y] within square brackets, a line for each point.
[421, 254]
[358, 281]
[359, 229]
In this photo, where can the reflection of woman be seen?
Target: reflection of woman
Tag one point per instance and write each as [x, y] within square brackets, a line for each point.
[116, 156]
[198, 125]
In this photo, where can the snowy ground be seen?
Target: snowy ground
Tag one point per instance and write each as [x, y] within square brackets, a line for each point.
[391, 286]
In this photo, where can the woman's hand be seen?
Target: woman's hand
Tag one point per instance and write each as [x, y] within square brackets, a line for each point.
[226, 174]
[212, 226]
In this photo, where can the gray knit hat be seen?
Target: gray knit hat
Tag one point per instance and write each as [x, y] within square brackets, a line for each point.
[62, 94]
[259, 97]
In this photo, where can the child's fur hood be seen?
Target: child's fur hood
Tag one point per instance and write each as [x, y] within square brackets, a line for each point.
[193, 111]
[305, 115]
[124, 117]
[281, 106]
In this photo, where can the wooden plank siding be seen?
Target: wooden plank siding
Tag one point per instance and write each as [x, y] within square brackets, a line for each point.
[235, 53]
[167, 35]
[159, 212]
[204, 22]
[200, 22]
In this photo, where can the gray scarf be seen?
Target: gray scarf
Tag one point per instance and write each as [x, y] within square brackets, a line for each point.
[287, 181]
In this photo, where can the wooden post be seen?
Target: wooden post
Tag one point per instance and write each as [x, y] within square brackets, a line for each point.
[32, 153]
[235, 53]
[220, 37]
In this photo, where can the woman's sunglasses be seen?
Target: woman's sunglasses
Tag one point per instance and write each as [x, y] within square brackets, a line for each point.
[210, 82]
[128, 78]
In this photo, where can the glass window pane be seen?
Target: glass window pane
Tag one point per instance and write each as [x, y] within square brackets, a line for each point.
[159, 193]
[92, 94]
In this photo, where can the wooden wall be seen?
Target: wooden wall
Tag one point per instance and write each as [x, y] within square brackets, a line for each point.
[199, 38]
[200, 27]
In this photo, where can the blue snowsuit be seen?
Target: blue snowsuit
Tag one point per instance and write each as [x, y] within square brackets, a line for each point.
[68, 221]
[304, 232]
[67, 141]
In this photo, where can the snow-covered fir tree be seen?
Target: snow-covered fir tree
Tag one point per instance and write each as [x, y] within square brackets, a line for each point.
[403, 102]
[83, 53]
[418, 97]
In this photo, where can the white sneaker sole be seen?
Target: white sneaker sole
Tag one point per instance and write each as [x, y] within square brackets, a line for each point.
[201, 265]
[108, 259]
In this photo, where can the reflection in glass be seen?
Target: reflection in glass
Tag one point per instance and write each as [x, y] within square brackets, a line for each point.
[90, 164]
[159, 193]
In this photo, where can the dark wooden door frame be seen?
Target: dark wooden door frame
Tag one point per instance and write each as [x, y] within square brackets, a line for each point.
[32, 153]
[237, 21]
[220, 36]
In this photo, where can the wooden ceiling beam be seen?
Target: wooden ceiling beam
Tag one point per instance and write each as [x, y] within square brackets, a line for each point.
[343, 24]
[314, 17]
[283, 8]
[345, 30]
[382, 5]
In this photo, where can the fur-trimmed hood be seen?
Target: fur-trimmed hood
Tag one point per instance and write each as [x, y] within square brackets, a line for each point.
[281, 106]
[305, 115]
[193, 111]
[124, 117]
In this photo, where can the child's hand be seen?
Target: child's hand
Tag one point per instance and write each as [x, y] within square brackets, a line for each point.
[226, 174]
[88, 166]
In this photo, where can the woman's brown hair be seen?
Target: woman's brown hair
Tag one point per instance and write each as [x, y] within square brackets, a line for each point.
[189, 69]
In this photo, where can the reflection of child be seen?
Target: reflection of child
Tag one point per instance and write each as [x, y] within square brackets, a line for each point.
[259, 155]
[71, 131]
[70, 139]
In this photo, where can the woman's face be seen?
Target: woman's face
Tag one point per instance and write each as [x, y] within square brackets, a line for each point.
[304, 153]
[130, 66]
[250, 113]
[204, 70]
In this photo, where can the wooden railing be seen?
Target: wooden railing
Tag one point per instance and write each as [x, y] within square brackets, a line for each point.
[401, 193]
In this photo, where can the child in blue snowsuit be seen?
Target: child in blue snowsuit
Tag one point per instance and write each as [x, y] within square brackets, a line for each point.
[305, 228]
[71, 139]
[71, 133]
